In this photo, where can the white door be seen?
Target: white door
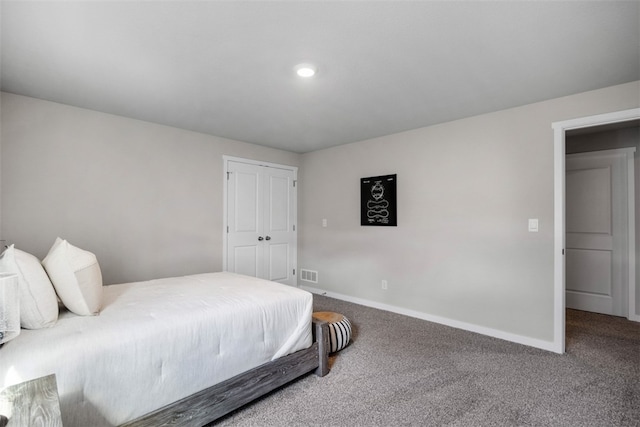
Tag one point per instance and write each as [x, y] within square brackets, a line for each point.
[261, 221]
[597, 232]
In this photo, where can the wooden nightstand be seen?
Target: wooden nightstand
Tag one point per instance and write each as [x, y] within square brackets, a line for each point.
[31, 403]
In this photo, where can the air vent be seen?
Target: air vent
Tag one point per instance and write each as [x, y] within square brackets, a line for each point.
[309, 276]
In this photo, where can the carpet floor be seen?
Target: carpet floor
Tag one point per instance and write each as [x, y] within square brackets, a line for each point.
[402, 371]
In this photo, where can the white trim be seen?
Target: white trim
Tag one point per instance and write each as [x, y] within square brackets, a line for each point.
[225, 222]
[559, 129]
[597, 120]
[495, 333]
[559, 237]
[632, 314]
[226, 159]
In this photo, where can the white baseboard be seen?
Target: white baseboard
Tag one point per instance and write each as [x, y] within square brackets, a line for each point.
[495, 333]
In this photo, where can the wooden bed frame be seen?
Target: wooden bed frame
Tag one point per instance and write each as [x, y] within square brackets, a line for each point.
[214, 402]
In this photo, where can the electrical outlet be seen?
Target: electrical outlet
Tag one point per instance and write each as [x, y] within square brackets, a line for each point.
[384, 285]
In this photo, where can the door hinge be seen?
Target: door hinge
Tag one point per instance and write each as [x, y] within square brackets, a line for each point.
[294, 227]
[228, 174]
[227, 229]
[294, 182]
[294, 271]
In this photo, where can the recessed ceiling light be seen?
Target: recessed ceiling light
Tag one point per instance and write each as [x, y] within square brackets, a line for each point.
[305, 70]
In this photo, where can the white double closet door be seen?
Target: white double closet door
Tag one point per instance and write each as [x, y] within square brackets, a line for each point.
[598, 232]
[261, 235]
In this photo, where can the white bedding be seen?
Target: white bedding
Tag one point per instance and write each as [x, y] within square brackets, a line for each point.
[156, 342]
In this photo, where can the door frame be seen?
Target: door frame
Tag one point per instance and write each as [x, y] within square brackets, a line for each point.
[559, 152]
[225, 222]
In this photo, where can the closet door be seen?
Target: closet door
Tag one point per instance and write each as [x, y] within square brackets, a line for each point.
[244, 219]
[261, 214]
[279, 225]
[597, 232]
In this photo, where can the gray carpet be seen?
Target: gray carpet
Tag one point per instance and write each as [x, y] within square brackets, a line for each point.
[404, 371]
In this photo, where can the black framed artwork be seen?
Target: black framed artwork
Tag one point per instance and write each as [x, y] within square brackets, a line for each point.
[378, 201]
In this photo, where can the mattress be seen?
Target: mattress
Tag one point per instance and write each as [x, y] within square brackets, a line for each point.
[158, 341]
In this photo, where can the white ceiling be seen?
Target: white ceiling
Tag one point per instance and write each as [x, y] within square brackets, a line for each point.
[226, 67]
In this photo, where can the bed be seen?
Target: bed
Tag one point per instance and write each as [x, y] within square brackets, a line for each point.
[174, 351]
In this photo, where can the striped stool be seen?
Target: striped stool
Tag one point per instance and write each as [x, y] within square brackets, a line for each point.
[339, 329]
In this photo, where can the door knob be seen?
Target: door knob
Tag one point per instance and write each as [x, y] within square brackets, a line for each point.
[268, 238]
[260, 238]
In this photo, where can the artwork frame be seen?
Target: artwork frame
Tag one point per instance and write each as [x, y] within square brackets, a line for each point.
[378, 201]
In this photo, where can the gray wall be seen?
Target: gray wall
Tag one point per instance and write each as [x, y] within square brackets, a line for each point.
[466, 189]
[604, 140]
[146, 199]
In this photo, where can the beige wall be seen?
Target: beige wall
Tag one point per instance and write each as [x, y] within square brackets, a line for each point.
[145, 198]
[466, 189]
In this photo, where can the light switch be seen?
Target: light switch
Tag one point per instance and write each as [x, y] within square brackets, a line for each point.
[324, 222]
[533, 225]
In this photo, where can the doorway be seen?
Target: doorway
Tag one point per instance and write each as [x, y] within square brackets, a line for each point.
[260, 216]
[560, 129]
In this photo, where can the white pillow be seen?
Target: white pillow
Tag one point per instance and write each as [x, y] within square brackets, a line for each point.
[38, 301]
[76, 275]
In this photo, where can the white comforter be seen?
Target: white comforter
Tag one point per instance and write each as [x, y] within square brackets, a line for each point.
[156, 342]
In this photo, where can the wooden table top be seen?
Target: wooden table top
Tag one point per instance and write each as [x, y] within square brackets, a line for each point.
[328, 316]
[31, 403]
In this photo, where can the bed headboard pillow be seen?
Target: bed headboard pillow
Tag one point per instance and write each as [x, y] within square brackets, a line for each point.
[38, 301]
[76, 275]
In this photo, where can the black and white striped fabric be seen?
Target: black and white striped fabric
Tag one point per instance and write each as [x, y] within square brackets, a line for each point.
[339, 334]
